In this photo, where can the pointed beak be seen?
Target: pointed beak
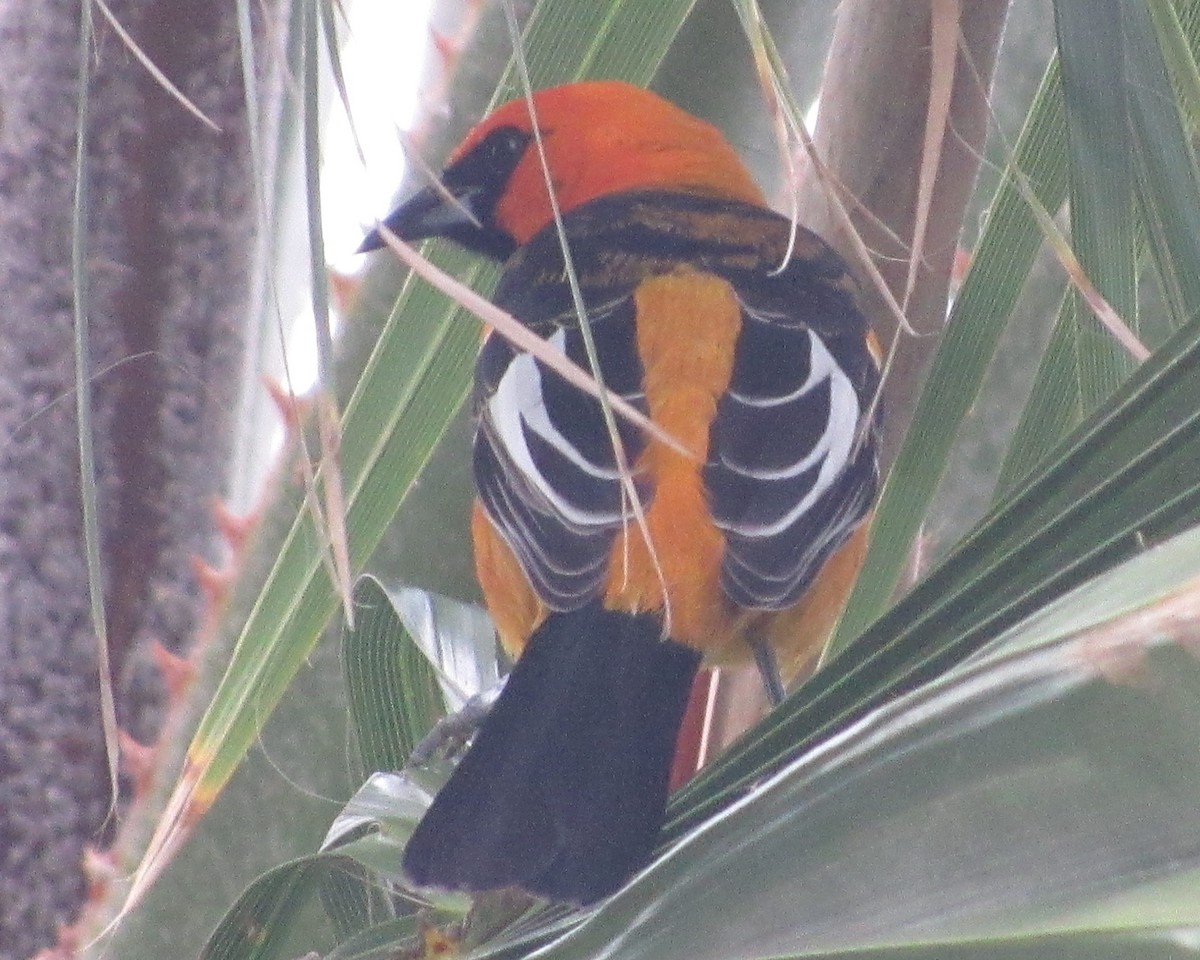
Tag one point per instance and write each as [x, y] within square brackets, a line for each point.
[429, 213]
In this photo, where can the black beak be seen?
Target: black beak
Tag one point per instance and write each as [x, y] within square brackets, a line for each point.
[462, 207]
[431, 212]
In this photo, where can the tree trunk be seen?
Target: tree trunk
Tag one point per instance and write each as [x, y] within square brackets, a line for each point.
[871, 133]
[169, 250]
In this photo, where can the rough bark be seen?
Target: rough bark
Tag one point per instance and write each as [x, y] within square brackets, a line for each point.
[169, 249]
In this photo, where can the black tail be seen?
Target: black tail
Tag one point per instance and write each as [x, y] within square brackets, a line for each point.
[563, 792]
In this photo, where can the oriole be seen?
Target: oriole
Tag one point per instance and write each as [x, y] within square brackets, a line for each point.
[762, 369]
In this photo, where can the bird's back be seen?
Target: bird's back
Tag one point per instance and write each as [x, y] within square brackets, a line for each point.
[762, 375]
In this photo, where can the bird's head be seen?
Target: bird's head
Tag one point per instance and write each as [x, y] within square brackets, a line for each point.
[599, 138]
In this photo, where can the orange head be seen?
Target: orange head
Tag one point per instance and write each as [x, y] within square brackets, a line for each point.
[600, 137]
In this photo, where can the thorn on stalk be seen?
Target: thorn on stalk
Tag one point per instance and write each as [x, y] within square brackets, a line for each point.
[343, 290]
[137, 761]
[99, 870]
[293, 410]
[445, 46]
[176, 671]
[214, 583]
[234, 527]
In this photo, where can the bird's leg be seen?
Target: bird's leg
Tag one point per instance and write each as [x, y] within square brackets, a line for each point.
[768, 670]
[450, 734]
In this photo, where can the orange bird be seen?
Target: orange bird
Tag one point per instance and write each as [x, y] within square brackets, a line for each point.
[741, 339]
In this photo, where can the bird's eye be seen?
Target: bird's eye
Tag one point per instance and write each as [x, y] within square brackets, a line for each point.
[508, 143]
[516, 143]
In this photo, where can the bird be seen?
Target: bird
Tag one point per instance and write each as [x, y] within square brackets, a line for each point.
[615, 560]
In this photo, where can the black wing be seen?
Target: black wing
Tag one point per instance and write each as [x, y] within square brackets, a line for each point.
[792, 466]
[544, 462]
